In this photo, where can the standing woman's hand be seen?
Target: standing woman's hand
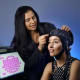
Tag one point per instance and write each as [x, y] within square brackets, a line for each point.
[65, 28]
[42, 41]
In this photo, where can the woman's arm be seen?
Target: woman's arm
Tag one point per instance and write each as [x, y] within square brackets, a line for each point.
[47, 72]
[34, 59]
[75, 70]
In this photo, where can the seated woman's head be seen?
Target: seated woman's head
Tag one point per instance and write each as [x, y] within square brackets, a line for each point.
[59, 41]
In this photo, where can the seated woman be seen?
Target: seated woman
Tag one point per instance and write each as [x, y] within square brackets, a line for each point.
[64, 67]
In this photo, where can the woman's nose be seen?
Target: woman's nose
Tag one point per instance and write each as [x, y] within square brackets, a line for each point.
[51, 46]
[32, 21]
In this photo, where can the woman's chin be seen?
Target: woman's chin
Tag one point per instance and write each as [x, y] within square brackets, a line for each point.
[52, 54]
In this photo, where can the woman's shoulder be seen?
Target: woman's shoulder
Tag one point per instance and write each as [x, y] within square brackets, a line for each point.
[73, 61]
[48, 67]
[49, 64]
[47, 24]
[76, 63]
[75, 66]
[47, 27]
[75, 70]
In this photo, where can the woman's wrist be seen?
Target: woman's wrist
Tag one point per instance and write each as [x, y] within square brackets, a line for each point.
[40, 47]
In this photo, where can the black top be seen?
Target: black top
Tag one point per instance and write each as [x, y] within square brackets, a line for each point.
[63, 72]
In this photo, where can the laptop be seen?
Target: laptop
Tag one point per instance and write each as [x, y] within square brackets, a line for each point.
[10, 63]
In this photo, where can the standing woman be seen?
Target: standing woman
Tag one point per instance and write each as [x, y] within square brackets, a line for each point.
[29, 40]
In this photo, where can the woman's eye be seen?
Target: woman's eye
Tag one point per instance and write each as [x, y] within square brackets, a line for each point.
[49, 42]
[33, 17]
[55, 41]
[27, 20]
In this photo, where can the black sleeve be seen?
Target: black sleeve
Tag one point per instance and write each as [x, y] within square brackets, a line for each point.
[47, 27]
[33, 60]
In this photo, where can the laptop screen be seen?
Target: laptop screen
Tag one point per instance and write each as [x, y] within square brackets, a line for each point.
[10, 64]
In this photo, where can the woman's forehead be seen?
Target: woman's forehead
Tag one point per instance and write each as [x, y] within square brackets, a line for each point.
[54, 38]
[29, 13]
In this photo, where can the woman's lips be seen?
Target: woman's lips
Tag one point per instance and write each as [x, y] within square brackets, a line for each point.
[51, 50]
[33, 26]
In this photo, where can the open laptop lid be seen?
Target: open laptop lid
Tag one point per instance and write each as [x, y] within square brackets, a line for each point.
[10, 62]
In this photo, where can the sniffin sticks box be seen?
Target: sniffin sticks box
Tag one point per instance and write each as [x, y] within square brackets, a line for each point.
[10, 64]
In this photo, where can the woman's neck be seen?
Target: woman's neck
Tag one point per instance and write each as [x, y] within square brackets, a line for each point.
[32, 32]
[61, 61]
[34, 36]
